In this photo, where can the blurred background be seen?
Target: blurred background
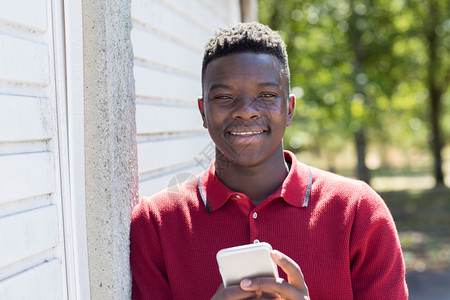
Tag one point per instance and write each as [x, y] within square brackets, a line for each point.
[98, 107]
[373, 102]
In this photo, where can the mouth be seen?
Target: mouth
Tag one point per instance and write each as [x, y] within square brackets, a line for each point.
[246, 133]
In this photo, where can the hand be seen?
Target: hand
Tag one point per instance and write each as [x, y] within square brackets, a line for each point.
[234, 292]
[270, 288]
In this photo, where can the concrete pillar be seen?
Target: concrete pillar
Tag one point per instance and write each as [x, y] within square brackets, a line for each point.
[110, 144]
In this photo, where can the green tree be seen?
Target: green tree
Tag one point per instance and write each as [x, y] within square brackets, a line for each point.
[362, 68]
[433, 29]
[328, 51]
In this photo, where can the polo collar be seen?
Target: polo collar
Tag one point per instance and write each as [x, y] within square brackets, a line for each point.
[295, 190]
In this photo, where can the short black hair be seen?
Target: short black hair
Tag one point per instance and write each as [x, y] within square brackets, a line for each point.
[246, 37]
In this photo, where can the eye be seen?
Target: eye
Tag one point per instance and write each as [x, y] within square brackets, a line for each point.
[223, 98]
[267, 95]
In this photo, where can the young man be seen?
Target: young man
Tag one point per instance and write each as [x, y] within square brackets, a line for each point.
[337, 232]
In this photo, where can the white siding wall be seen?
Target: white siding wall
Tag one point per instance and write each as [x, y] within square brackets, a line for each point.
[168, 37]
[41, 185]
[31, 236]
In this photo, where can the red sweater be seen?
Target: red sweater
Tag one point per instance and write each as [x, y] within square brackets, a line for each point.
[338, 230]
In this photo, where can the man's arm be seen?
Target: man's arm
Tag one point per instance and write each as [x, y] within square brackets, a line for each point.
[377, 266]
[146, 256]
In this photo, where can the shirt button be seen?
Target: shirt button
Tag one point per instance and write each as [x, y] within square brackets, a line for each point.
[238, 196]
[255, 215]
[256, 241]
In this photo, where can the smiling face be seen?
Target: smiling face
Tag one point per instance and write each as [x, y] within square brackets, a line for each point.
[246, 107]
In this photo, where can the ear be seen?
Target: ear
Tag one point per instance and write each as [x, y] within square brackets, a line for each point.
[291, 107]
[201, 108]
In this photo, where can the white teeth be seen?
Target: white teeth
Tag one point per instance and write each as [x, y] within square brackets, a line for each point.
[246, 133]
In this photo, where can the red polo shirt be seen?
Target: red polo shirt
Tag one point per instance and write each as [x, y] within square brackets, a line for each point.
[338, 230]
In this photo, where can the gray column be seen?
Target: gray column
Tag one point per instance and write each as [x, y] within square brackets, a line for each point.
[110, 144]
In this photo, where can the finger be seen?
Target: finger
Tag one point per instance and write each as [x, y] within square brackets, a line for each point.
[292, 270]
[234, 292]
[270, 285]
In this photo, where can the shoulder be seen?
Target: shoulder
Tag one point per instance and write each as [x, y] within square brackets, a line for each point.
[170, 201]
[340, 185]
[346, 192]
[350, 201]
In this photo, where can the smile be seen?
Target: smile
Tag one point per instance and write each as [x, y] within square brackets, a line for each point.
[246, 132]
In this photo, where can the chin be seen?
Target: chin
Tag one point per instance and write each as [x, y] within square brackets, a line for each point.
[245, 157]
[246, 160]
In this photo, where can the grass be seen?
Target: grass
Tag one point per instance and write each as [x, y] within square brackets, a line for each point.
[423, 222]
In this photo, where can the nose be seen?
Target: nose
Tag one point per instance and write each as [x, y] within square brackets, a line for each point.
[246, 108]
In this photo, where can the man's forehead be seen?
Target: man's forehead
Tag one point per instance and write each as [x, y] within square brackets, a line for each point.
[262, 69]
[240, 63]
[246, 56]
[243, 64]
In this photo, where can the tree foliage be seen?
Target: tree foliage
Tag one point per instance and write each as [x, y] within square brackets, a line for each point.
[360, 65]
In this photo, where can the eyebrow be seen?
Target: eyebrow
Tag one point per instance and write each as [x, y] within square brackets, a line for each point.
[270, 83]
[219, 86]
[262, 84]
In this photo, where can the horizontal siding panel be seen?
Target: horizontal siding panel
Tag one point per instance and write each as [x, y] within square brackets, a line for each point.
[42, 282]
[151, 46]
[163, 84]
[157, 184]
[168, 40]
[23, 61]
[24, 118]
[32, 13]
[28, 233]
[167, 118]
[202, 13]
[228, 10]
[26, 175]
[161, 154]
[159, 15]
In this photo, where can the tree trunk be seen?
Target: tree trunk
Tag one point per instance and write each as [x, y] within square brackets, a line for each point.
[436, 139]
[360, 142]
[435, 94]
[354, 40]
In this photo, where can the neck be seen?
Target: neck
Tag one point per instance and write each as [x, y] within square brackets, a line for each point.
[257, 182]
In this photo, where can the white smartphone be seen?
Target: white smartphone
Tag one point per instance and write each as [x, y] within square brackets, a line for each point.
[246, 261]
